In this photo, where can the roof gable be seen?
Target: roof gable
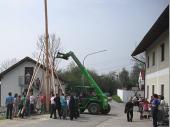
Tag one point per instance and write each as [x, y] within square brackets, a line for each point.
[26, 59]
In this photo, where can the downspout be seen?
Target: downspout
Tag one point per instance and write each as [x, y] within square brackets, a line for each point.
[144, 70]
[0, 92]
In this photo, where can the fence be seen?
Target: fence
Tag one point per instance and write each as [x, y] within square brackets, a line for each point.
[126, 94]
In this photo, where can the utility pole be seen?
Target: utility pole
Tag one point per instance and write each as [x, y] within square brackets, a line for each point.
[47, 83]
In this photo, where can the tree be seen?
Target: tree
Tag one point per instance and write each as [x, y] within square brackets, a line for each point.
[72, 74]
[54, 47]
[107, 82]
[115, 82]
[7, 63]
[134, 74]
[124, 79]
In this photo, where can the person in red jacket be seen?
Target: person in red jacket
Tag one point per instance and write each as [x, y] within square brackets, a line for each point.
[145, 105]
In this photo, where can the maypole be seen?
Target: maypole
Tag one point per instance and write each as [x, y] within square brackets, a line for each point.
[47, 83]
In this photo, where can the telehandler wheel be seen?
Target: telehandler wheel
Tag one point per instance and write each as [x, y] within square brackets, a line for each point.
[94, 108]
[106, 111]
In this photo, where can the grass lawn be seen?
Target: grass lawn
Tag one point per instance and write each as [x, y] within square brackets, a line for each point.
[2, 118]
[117, 99]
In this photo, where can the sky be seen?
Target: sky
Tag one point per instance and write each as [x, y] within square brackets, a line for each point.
[84, 26]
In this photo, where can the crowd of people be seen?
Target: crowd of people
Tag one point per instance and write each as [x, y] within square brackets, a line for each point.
[61, 106]
[22, 105]
[65, 106]
[155, 108]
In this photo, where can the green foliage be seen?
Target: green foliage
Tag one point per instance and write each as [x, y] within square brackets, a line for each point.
[107, 82]
[134, 75]
[117, 99]
[129, 79]
[124, 78]
[73, 75]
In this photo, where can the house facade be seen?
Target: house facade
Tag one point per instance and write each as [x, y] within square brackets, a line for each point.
[157, 72]
[155, 44]
[16, 79]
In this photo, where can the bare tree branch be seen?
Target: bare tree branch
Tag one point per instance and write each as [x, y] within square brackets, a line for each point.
[7, 63]
[54, 46]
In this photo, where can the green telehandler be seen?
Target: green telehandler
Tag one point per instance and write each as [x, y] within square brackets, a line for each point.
[91, 97]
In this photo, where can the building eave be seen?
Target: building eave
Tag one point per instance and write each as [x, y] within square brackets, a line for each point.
[159, 27]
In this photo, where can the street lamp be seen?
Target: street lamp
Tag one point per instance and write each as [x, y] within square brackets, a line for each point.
[90, 55]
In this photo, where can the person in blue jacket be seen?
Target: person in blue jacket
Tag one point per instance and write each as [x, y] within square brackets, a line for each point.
[155, 104]
[9, 104]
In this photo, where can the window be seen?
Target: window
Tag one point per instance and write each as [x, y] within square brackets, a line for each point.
[162, 90]
[28, 74]
[147, 91]
[153, 58]
[153, 89]
[148, 62]
[162, 52]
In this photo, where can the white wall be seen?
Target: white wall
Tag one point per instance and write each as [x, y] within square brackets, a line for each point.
[126, 94]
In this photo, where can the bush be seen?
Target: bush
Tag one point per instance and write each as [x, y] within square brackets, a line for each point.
[117, 99]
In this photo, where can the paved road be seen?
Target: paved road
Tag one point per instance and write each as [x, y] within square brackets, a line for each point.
[115, 119]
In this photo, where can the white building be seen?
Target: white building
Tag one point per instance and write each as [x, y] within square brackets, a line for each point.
[16, 79]
[155, 44]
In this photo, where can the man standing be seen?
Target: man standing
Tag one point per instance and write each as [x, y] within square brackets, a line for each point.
[155, 104]
[129, 110]
[9, 104]
[32, 103]
[77, 105]
[22, 111]
[58, 105]
[72, 108]
[53, 106]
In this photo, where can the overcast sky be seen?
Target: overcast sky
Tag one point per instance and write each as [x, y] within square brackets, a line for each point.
[84, 26]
